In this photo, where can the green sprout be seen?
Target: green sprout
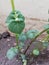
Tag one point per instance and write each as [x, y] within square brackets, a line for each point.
[11, 53]
[36, 52]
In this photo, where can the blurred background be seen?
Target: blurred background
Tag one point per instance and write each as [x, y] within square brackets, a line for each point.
[30, 8]
[37, 9]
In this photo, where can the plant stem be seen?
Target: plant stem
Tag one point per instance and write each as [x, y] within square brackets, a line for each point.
[12, 3]
[35, 39]
[17, 36]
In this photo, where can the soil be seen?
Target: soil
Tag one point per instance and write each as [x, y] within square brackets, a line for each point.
[8, 42]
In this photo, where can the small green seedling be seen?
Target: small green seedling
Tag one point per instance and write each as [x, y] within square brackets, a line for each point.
[16, 24]
[36, 52]
[12, 52]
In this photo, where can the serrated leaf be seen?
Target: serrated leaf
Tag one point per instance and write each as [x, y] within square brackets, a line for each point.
[15, 22]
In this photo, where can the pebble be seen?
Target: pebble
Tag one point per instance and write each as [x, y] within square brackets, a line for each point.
[8, 44]
[22, 50]
[14, 44]
[17, 60]
[8, 40]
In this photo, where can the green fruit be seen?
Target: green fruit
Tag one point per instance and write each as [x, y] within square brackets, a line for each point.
[11, 53]
[15, 22]
[22, 37]
[36, 52]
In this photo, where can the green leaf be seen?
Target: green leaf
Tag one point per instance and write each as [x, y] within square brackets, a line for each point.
[46, 26]
[36, 52]
[45, 44]
[11, 53]
[16, 27]
[15, 49]
[48, 32]
[31, 33]
[23, 57]
[22, 37]
[21, 45]
[15, 22]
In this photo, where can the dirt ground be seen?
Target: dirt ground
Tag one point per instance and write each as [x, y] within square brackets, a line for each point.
[5, 44]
